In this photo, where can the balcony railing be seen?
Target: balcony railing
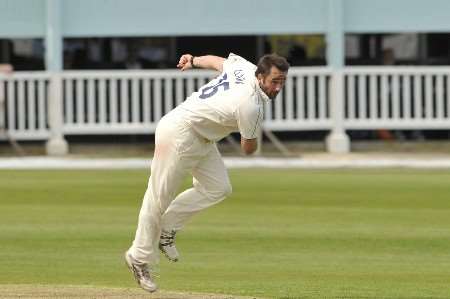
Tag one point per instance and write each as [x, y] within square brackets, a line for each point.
[38, 105]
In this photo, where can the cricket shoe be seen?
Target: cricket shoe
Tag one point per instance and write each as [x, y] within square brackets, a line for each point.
[141, 273]
[167, 245]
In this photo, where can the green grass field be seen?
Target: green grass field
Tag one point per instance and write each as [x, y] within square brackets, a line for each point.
[282, 234]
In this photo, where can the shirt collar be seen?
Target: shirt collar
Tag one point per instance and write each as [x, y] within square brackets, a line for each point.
[260, 92]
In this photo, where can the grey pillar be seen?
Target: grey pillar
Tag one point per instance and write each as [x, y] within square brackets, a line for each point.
[56, 145]
[337, 141]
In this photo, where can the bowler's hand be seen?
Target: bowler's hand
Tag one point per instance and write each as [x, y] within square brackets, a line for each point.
[185, 62]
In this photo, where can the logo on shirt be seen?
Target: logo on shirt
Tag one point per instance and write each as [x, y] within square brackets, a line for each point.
[239, 76]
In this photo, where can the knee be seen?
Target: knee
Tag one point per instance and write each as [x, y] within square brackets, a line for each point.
[215, 193]
[221, 192]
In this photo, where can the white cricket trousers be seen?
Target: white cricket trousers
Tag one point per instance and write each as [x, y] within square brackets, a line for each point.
[179, 151]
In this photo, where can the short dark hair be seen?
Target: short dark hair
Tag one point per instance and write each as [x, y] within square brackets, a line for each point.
[266, 62]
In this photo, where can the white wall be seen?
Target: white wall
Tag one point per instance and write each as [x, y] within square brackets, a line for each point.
[22, 18]
[84, 18]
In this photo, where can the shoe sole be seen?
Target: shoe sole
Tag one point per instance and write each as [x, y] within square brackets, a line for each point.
[130, 266]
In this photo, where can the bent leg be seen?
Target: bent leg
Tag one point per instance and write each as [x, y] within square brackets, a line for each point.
[169, 168]
[211, 185]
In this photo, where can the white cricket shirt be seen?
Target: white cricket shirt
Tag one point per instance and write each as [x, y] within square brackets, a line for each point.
[232, 102]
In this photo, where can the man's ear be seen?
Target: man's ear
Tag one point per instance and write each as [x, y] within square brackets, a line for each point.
[260, 78]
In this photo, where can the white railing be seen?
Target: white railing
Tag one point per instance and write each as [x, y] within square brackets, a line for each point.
[132, 102]
[304, 103]
[397, 98]
[124, 102]
[23, 105]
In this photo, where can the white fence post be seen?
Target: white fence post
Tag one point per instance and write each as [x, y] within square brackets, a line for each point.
[56, 145]
[337, 141]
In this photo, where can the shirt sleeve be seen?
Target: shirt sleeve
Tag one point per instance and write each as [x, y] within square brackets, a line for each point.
[235, 61]
[249, 119]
